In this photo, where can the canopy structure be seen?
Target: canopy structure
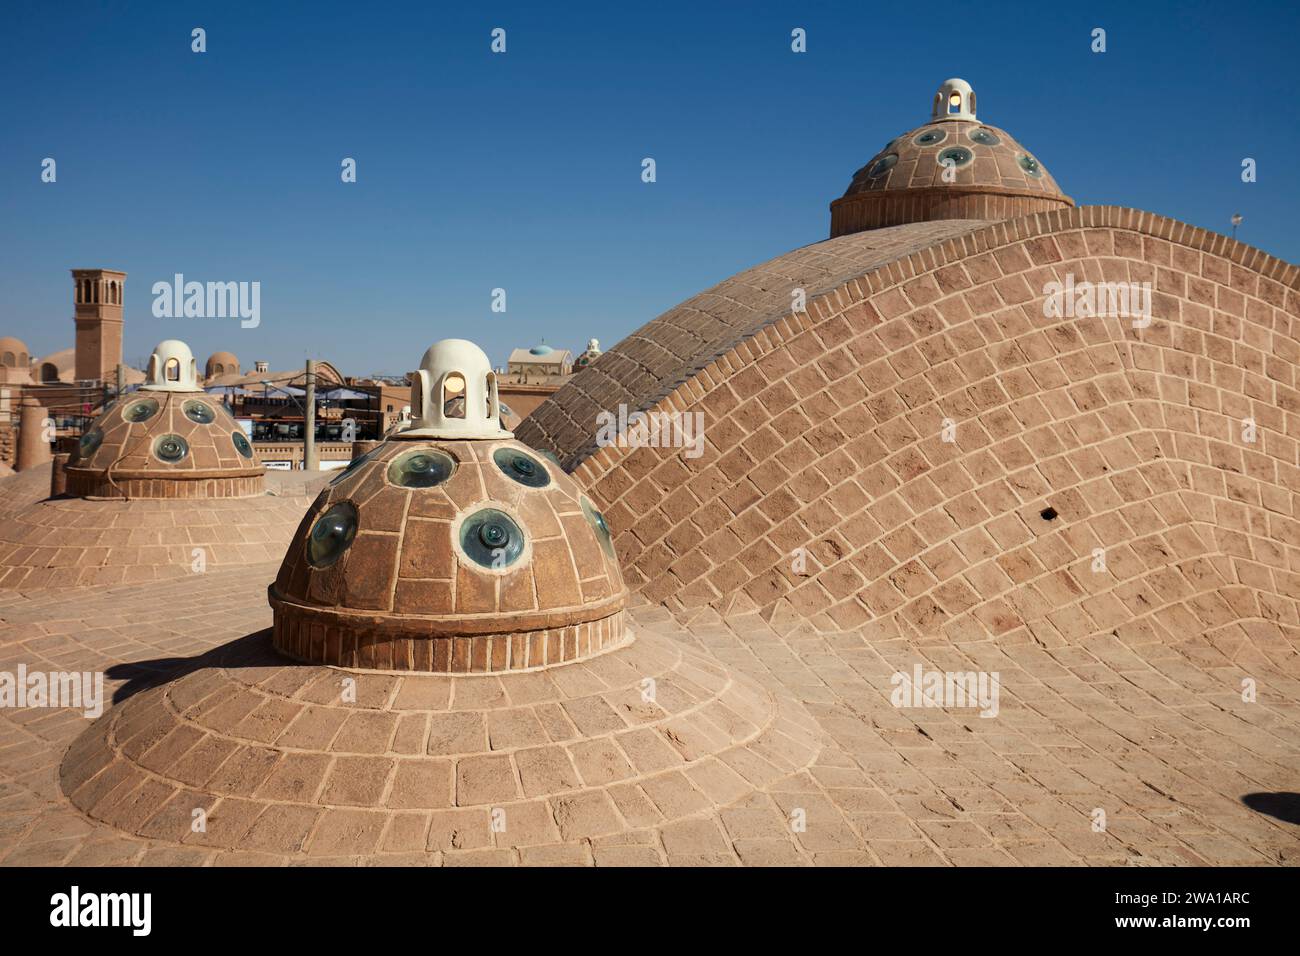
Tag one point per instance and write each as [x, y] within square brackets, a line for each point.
[344, 395]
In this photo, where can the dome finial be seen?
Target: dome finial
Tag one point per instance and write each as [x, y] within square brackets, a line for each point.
[954, 101]
[171, 368]
[454, 394]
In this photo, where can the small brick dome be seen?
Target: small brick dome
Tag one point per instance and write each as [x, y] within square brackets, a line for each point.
[14, 353]
[439, 553]
[221, 363]
[953, 167]
[165, 441]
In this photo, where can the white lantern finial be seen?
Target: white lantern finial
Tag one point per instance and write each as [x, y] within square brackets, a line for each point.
[954, 101]
[454, 394]
[171, 368]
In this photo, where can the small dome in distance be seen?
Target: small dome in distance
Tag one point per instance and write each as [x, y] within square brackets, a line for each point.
[221, 363]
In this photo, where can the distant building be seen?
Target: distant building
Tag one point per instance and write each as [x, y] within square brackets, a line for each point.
[533, 375]
[540, 365]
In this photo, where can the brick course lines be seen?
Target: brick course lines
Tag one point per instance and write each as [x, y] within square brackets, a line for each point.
[1090, 416]
[1155, 734]
[232, 733]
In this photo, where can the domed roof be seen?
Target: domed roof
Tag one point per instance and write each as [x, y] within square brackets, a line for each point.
[450, 549]
[449, 556]
[15, 361]
[542, 349]
[221, 363]
[953, 167]
[10, 344]
[168, 440]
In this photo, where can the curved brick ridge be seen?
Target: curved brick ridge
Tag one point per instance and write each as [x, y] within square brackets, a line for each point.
[824, 432]
[670, 350]
[67, 542]
[404, 595]
[279, 762]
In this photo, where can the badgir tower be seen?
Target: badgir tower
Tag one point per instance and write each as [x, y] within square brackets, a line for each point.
[979, 428]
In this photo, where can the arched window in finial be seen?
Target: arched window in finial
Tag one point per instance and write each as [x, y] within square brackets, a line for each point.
[419, 393]
[492, 410]
[172, 370]
[453, 395]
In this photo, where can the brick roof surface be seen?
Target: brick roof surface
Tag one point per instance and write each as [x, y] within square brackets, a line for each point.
[668, 350]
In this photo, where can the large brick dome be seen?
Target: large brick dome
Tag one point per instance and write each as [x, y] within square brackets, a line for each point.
[930, 449]
[953, 167]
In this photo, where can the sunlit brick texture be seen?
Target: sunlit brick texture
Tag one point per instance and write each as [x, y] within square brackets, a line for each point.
[824, 433]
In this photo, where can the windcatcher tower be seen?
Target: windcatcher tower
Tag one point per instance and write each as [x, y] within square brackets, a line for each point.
[97, 296]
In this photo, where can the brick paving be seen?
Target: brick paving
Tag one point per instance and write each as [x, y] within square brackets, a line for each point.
[1157, 737]
[73, 542]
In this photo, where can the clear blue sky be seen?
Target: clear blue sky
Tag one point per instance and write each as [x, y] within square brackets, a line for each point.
[522, 171]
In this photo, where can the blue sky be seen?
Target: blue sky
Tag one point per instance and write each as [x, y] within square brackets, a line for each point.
[522, 171]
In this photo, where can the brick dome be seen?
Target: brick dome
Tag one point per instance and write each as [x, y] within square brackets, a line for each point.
[930, 450]
[15, 362]
[167, 440]
[476, 559]
[14, 353]
[953, 167]
[451, 547]
[165, 445]
[221, 363]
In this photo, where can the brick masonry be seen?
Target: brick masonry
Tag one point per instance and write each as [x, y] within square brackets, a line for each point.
[905, 182]
[824, 434]
[405, 595]
[1157, 736]
[126, 463]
